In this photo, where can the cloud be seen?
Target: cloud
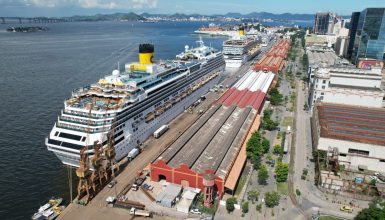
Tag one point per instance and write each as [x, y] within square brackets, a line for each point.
[98, 4]
[137, 4]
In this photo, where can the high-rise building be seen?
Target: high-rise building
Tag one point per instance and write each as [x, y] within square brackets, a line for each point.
[352, 32]
[369, 41]
[326, 23]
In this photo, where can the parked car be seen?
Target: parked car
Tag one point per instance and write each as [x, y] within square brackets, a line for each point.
[346, 208]
[195, 211]
[112, 183]
[110, 199]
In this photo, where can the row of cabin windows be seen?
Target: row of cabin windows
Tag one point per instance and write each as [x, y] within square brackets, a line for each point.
[70, 136]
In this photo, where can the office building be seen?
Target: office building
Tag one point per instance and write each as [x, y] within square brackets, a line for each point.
[352, 33]
[369, 41]
[326, 23]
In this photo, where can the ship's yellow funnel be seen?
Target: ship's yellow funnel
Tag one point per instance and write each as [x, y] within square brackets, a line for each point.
[241, 31]
[146, 54]
[146, 58]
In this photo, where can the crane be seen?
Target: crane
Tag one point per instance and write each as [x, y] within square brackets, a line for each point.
[100, 168]
[83, 171]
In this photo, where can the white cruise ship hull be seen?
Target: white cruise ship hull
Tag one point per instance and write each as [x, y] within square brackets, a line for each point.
[144, 130]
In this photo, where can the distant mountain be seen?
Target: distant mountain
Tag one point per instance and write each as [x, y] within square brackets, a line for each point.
[255, 15]
[284, 16]
[180, 16]
[107, 17]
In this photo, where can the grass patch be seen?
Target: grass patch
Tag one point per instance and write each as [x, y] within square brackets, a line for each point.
[282, 188]
[328, 218]
[287, 121]
[241, 183]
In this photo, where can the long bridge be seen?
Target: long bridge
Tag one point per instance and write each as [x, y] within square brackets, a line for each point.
[26, 20]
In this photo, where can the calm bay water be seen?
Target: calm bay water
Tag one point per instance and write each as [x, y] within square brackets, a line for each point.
[38, 71]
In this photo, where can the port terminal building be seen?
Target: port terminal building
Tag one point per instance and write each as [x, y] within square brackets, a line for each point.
[274, 59]
[212, 151]
[353, 136]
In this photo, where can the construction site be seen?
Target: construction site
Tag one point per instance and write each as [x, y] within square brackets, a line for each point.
[211, 153]
[349, 141]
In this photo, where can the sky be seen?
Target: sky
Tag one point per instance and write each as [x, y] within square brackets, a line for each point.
[59, 8]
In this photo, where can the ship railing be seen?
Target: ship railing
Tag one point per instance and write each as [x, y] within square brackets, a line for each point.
[92, 116]
[84, 122]
[78, 128]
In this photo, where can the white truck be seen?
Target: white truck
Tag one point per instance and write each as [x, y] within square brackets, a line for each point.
[133, 153]
[160, 131]
[139, 212]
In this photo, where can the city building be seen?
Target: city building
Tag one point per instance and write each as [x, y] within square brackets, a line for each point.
[352, 136]
[341, 46]
[369, 41]
[352, 33]
[321, 57]
[350, 86]
[326, 23]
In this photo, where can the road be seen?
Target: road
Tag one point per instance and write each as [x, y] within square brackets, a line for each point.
[312, 199]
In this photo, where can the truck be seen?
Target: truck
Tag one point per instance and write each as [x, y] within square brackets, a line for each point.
[138, 212]
[160, 131]
[133, 153]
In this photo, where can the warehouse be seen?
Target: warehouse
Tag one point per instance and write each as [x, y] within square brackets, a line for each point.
[207, 151]
[355, 135]
[274, 60]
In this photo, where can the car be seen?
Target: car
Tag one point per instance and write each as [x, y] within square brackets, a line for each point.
[110, 199]
[373, 178]
[112, 183]
[346, 208]
[195, 211]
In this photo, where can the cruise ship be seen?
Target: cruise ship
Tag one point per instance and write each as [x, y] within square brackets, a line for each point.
[133, 103]
[241, 49]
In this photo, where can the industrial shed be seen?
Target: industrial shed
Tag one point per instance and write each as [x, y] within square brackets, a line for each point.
[211, 146]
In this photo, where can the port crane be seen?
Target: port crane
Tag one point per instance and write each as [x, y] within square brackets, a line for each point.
[99, 165]
[83, 172]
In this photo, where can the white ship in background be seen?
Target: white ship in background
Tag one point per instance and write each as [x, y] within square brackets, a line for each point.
[132, 104]
[240, 49]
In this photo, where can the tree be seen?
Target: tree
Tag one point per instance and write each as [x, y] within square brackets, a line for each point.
[276, 98]
[259, 208]
[371, 213]
[230, 204]
[256, 163]
[272, 199]
[281, 171]
[265, 145]
[269, 157]
[267, 122]
[252, 195]
[263, 175]
[277, 149]
[245, 207]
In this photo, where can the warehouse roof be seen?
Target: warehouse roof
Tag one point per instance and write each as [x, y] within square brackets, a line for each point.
[352, 123]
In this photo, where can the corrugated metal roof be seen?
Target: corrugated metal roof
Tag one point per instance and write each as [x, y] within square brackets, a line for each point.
[352, 123]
